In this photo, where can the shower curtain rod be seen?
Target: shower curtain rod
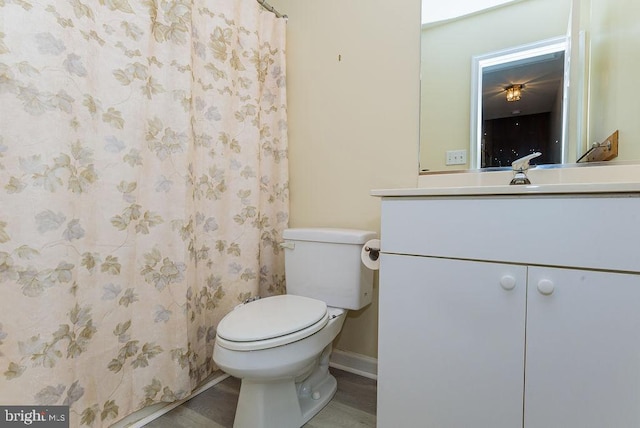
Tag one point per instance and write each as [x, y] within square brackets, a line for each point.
[270, 8]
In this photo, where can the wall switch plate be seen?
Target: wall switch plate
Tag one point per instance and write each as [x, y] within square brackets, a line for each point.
[456, 157]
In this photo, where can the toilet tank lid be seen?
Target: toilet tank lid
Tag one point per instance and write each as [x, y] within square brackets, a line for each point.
[338, 236]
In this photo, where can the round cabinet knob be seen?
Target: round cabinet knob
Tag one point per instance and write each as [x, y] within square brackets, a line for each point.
[508, 282]
[545, 287]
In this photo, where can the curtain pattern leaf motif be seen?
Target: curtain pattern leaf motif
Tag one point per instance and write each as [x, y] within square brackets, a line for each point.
[144, 188]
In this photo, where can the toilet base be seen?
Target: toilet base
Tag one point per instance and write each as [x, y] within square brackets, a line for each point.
[284, 403]
[325, 392]
[277, 405]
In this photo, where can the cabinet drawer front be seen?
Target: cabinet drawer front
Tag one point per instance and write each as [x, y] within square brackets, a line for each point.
[588, 231]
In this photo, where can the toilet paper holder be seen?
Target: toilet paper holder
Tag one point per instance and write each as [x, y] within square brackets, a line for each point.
[374, 253]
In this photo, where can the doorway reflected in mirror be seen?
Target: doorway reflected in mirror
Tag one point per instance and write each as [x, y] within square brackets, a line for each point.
[521, 105]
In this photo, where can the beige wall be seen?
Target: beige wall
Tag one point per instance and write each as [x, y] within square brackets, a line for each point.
[353, 92]
[447, 50]
[615, 59]
[353, 83]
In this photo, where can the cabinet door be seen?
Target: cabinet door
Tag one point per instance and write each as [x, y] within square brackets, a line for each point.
[451, 343]
[583, 349]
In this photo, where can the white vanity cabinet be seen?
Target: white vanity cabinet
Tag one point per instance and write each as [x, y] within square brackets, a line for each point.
[510, 311]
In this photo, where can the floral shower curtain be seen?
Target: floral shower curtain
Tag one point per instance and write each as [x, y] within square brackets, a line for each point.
[143, 190]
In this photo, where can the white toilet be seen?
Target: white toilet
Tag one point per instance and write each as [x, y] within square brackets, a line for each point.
[280, 346]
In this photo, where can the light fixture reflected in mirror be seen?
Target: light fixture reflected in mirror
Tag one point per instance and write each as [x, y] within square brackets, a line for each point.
[514, 92]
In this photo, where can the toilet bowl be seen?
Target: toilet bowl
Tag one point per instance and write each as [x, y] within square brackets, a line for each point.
[282, 385]
[280, 346]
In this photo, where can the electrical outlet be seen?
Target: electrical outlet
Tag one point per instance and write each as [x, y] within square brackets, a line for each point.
[456, 157]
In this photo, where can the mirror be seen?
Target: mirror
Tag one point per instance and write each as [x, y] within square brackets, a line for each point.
[603, 40]
[518, 105]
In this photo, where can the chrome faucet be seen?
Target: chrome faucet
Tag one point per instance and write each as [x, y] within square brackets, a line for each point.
[520, 167]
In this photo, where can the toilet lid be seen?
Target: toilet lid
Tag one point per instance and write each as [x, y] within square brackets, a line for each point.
[272, 321]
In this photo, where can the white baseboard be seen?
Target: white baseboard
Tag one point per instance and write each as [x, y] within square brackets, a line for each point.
[351, 362]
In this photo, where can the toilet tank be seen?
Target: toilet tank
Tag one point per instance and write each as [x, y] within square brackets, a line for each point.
[325, 264]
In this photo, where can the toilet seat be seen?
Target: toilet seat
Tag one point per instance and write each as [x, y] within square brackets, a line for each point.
[270, 322]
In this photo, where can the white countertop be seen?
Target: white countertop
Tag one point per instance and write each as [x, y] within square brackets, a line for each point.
[523, 190]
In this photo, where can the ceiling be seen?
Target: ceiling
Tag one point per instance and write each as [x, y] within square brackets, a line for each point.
[439, 10]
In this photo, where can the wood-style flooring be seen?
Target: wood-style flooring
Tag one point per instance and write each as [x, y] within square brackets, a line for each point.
[354, 405]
